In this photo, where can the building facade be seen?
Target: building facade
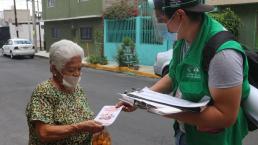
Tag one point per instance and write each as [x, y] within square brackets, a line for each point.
[76, 20]
[24, 25]
[247, 11]
[79, 20]
[140, 29]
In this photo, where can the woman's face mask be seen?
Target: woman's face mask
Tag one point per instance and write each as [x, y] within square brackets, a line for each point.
[71, 73]
[71, 81]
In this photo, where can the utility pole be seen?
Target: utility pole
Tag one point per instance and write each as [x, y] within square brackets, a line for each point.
[29, 28]
[15, 17]
[40, 46]
[34, 25]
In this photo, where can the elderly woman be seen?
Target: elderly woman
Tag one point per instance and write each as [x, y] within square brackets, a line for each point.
[58, 112]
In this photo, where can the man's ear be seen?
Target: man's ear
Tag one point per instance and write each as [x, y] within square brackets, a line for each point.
[180, 12]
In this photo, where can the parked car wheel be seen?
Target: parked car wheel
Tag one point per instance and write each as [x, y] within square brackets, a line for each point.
[32, 56]
[2, 52]
[11, 55]
[161, 65]
[165, 71]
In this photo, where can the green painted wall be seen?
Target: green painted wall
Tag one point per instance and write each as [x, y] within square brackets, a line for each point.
[90, 7]
[248, 28]
[89, 46]
[70, 29]
[60, 10]
[65, 32]
[71, 8]
[256, 34]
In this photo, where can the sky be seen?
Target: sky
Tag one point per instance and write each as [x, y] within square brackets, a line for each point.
[20, 4]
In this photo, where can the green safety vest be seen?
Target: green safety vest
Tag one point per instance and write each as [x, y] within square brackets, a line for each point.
[188, 76]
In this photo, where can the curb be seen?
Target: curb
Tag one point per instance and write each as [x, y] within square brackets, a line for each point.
[114, 69]
[119, 70]
[42, 56]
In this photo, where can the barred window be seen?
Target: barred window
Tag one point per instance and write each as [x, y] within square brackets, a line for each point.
[82, 1]
[86, 33]
[117, 30]
[51, 3]
[256, 36]
[56, 33]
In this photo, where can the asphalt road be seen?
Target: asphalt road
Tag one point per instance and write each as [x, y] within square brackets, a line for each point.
[19, 77]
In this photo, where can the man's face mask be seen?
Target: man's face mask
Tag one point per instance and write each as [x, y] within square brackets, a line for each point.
[160, 27]
[164, 32]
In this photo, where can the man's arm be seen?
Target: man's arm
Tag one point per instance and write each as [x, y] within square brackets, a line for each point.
[164, 85]
[225, 85]
[221, 114]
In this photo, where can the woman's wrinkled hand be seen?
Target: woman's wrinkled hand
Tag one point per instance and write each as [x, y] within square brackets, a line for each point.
[126, 106]
[90, 126]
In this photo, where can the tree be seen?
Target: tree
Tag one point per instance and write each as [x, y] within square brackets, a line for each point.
[119, 10]
[229, 19]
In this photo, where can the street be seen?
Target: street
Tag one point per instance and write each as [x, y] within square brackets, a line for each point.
[20, 76]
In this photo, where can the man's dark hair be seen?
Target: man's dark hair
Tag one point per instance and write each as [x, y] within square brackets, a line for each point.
[193, 16]
[169, 11]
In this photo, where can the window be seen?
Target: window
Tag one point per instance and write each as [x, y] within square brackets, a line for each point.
[51, 3]
[82, 1]
[10, 42]
[22, 42]
[256, 35]
[56, 33]
[118, 29]
[86, 33]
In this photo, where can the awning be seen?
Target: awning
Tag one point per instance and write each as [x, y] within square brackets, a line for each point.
[73, 18]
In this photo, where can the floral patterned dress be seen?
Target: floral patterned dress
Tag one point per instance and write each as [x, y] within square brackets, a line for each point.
[52, 106]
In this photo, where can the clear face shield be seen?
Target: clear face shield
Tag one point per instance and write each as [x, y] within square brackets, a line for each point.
[160, 27]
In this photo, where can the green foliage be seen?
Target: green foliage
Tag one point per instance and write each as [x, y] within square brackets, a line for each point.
[98, 35]
[97, 59]
[135, 61]
[103, 60]
[128, 43]
[93, 59]
[119, 10]
[120, 58]
[229, 19]
[99, 41]
[256, 42]
[126, 55]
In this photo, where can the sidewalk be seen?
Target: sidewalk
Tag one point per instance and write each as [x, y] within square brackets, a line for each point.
[146, 71]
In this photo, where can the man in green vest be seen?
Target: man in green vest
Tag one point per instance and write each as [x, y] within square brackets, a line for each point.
[223, 122]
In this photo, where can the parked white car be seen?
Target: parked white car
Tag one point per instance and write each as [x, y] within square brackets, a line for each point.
[18, 47]
[161, 65]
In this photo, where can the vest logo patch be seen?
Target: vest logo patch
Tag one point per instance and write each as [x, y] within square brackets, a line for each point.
[193, 72]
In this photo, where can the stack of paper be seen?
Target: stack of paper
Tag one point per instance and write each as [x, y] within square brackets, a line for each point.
[162, 104]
